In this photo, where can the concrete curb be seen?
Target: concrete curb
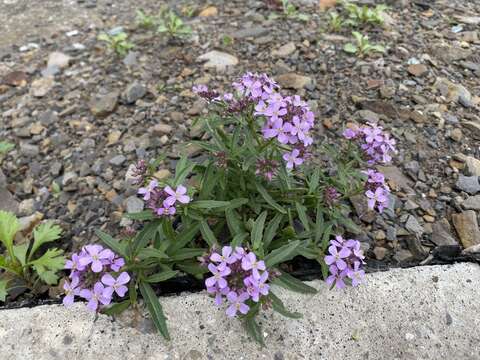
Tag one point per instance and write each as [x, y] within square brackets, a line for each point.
[418, 313]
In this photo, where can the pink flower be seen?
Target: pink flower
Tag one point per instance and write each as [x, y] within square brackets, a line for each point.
[176, 195]
[293, 159]
[237, 303]
[116, 285]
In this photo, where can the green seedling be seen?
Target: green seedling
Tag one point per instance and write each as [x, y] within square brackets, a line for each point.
[336, 22]
[362, 47]
[145, 21]
[364, 15]
[5, 148]
[117, 43]
[173, 26]
[22, 265]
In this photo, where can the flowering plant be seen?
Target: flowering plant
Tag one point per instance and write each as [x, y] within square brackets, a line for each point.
[263, 195]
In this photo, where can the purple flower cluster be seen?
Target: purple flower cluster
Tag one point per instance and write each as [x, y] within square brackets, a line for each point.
[331, 195]
[162, 201]
[238, 276]
[345, 260]
[93, 276]
[377, 145]
[377, 190]
[266, 168]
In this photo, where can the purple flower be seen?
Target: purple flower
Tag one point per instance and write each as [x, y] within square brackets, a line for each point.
[117, 264]
[94, 255]
[336, 257]
[74, 264]
[218, 276]
[292, 159]
[198, 89]
[356, 274]
[147, 191]
[225, 258]
[71, 289]
[249, 262]
[378, 198]
[237, 303]
[336, 277]
[257, 287]
[98, 295]
[176, 195]
[116, 285]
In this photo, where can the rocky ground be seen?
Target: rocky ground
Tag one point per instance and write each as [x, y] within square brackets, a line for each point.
[79, 115]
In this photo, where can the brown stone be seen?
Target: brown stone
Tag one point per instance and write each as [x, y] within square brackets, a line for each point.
[467, 228]
[417, 69]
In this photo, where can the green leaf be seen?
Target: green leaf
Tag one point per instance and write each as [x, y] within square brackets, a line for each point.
[271, 230]
[350, 48]
[5, 147]
[185, 237]
[257, 230]
[208, 204]
[266, 196]
[9, 226]
[236, 203]
[142, 215]
[20, 252]
[302, 214]
[182, 170]
[44, 233]
[279, 307]
[186, 253]
[145, 236]
[234, 222]
[314, 181]
[3, 290]
[146, 253]
[113, 244]
[238, 239]
[117, 308]
[155, 309]
[253, 329]
[208, 234]
[48, 264]
[192, 267]
[282, 254]
[290, 283]
[162, 276]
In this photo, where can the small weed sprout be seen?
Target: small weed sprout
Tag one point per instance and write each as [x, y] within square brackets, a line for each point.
[173, 26]
[362, 47]
[145, 21]
[23, 268]
[227, 40]
[336, 22]
[118, 43]
[5, 148]
[364, 15]
[290, 11]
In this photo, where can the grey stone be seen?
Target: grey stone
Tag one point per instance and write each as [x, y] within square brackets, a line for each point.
[133, 92]
[29, 150]
[414, 226]
[118, 160]
[133, 204]
[294, 81]
[368, 116]
[69, 178]
[7, 201]
[3, 179]
[469, 184]
[284, 50]
[473, 166]
[474, 127]
[394, 174]
[360, 205]
[418, 328]
[442, 233]
[217, 59]
[250, 32]
[104, 105]
[472, 203]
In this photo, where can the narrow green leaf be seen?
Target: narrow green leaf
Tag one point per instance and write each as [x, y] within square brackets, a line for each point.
[279, 307]
[185, 237]
[236, 203]
[257, 230]
[282, 254]
[117, 308]
[145, 236]
[302, 214]
[326, 237]
[155, 309]
[319, 222]
[9, 226]
[142, 215]
[3, 290]
[314, 181]
[290, 283]
[208, 234]
[266, 196]
[271, 230]
[113, 244]
[149, 252]
[208, 204]
[234, 222]
[238, 239]
[192, 267]
[252, 327]
[186, 253]
[162, 276]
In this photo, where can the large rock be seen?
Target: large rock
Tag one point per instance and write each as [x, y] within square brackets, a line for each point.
[442, 233]
[133, 92]
[41, 87]
[454, 92]
[217, 59]
[7, 201]
[469, 184]
[103, 105]
[472, 203]
[294, 81]
[467, 228]
[473, 166]
[395, 175]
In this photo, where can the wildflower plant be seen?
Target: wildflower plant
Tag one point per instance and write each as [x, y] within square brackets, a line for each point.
[144, 20]
[290, 11]
[118, 43]
[172, 25]
[261, 197]
[362, 46]
[28, 265]
[364, 15]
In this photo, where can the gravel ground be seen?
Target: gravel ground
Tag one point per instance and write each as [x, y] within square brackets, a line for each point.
[78, 123]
